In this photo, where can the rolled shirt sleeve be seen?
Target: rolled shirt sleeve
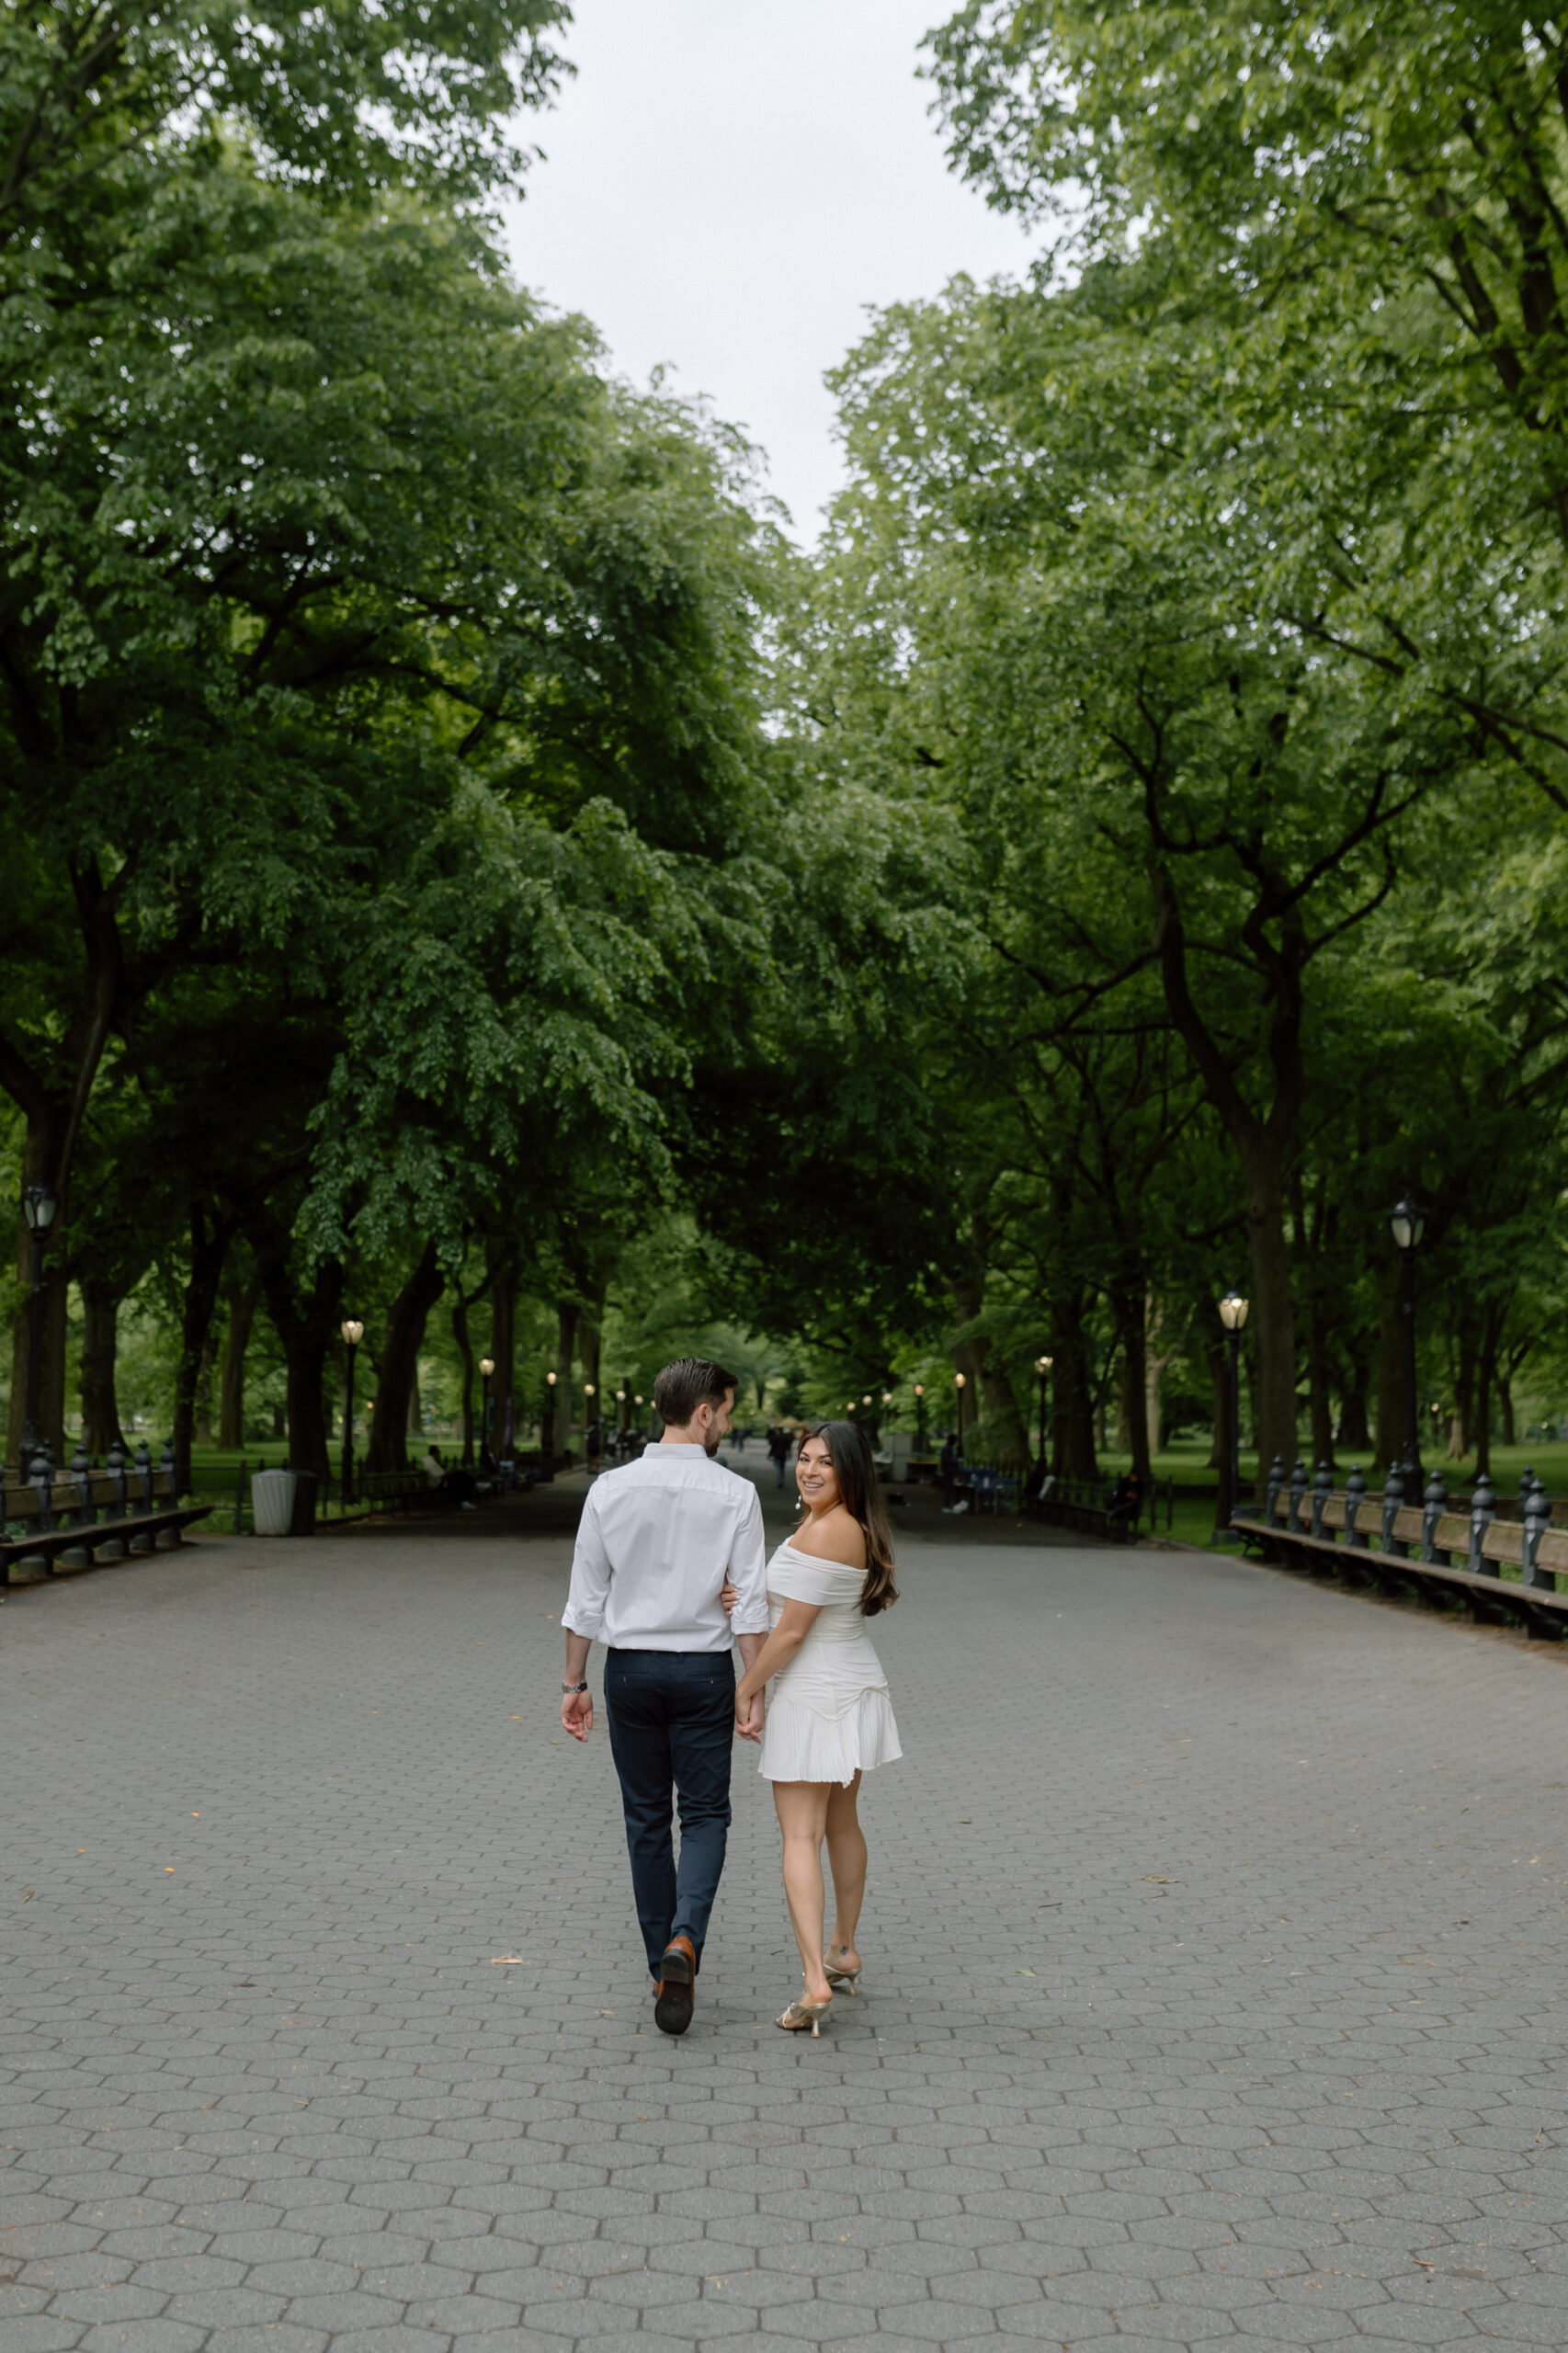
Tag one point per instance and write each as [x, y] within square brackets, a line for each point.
[584, 1610]
[748, 1572]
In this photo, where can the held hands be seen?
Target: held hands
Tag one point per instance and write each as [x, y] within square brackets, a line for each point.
[748, 1712]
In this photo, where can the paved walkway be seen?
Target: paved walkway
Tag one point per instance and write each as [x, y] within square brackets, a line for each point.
[1214, 1963]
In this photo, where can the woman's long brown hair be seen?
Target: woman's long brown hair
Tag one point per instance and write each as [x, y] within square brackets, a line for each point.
[850, 1454]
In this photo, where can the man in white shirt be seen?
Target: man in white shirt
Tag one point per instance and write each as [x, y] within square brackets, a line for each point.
[657, 1541]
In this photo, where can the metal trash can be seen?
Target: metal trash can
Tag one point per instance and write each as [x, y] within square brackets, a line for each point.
[302, 1518]
[272, 1502]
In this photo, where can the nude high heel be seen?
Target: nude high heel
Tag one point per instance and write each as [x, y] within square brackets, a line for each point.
[801, 2014]
[849, 1979]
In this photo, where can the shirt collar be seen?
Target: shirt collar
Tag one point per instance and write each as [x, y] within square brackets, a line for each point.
[675, 1445]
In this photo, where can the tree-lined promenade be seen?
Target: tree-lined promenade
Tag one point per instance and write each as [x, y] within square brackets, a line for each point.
[468, 876]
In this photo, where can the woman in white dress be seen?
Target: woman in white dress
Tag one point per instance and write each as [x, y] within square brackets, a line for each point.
[829, 1718]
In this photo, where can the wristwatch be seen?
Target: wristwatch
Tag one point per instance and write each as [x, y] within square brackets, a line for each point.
[567, 1688]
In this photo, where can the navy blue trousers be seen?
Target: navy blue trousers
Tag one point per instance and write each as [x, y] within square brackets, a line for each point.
[672, 1716]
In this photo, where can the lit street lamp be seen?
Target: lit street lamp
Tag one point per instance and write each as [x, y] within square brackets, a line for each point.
[353, 1333]
[486, 1367]
[920, 1417]
[547, 1427]
[38, 1206]
[1233, 1317]
[1407, 1223]
[1042, 1366]
[958, 1385]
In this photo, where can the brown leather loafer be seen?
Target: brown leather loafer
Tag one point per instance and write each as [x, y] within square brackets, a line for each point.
[672, 2001]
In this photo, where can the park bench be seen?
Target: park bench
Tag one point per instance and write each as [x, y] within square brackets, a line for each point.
[1086, 1505]
[56, 1523]
[1447, 1557]
[399, 1491]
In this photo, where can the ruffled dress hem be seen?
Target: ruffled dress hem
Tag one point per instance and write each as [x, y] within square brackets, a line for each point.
[801, 1743]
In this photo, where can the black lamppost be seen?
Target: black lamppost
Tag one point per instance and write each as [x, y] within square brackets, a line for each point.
[1407, 1223]
[959, 1384]
[634, 1419]
[1042, 1366]
[590, 1419]
[39, 1206]
[547, 1425]
[920, 1417]
[353, 1332]
[1233, 1317]
[486, 1367]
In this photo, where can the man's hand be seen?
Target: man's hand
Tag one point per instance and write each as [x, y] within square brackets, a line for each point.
[576, 1707]
[749, 1715]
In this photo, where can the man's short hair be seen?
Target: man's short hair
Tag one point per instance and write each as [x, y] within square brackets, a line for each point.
[688, 1382]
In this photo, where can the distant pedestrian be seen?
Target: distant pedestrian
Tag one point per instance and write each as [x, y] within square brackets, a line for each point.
[778, 1451]
[949, 1465]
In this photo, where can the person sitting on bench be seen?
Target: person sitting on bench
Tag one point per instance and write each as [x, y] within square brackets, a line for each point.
[458, 1484]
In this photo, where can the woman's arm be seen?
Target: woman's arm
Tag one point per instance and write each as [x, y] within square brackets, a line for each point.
[796, 1623]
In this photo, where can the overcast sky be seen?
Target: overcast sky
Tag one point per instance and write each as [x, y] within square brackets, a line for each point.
[729, 183]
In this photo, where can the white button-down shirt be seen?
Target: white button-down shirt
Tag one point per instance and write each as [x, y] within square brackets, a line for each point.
[657, 1540]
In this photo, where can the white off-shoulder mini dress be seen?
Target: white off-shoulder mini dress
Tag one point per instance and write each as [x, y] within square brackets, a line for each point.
[829, 1716]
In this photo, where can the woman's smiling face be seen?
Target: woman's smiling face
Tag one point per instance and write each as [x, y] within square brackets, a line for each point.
[816, 1477]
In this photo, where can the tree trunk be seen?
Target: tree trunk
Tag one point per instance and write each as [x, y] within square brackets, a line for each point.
[1485, 1379]
[1225, 1496]
[590, 1337]
[1219, 1390]
[1321, 1403]
[243, 1298]
[54, 1109]
[306, 1325]
[202, 1430]
[1391, 1370]
[1272, 1320]
[465, 1351]
[502, 1284]
[1123, 1405]
[1155, 1360]
[43, 1162]
[990, 1391]
[1506, 1400]
[1464, 1391]
[210, 1239]
[567, 1315]
[1073, 1429]
[1129, 1305]
[398, 1374]
[100, 1409]
[1354, 1429]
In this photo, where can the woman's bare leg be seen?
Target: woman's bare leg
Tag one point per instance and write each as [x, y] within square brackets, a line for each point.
[846, 1860]
[801, 1807]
